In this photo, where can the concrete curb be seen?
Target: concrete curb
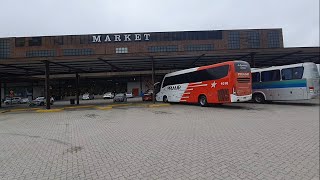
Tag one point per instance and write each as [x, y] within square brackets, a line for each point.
[108, 107]
[79, 107]
[104, 108]
[49, 110]
[158, 105]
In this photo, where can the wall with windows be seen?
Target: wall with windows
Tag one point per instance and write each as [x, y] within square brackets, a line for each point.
[155, 42]
[5, 48]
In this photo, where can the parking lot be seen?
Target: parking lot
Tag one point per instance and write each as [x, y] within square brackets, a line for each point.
[236, 141]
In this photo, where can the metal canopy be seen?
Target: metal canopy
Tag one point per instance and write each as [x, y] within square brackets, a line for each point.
[10, 68]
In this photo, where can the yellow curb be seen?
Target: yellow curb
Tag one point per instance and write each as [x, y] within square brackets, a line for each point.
[104, 108]
[24, 109]
[158, 105]
[49, 110]
[118, 105]
[79, 107]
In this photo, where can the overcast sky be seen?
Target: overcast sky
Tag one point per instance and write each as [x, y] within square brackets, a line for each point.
[299, 19]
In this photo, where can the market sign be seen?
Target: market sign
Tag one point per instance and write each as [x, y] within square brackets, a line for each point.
[120, 38]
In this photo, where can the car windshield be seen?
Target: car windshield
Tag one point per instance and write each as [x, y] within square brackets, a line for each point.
[39, 98]
[119, 95]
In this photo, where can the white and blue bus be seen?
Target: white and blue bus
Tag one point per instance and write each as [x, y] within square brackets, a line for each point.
[283, 83]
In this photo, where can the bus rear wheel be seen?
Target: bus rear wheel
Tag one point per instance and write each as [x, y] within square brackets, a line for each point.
[203, 100]
[258, 98]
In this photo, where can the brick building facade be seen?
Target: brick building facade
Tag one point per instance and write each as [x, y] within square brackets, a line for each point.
[152, 43]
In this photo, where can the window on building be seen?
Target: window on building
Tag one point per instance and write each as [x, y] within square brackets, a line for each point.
[41, 53]
[122, 50]
[292, 73]
[71, 40]
[163, 48]
[4, 48]
[187, 35]
[253, 39]
[58, 40]
[273, 75]
[199, 47]
[84, 39]
[234, 40]
[35, 41]
[77, 52]
[273, 39]
[20, 42]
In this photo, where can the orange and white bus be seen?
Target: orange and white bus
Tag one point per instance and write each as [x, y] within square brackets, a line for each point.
[213, 84]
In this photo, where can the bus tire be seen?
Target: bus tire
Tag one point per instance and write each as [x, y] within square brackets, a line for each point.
[165, 99]
[203, 101]
[258, 98]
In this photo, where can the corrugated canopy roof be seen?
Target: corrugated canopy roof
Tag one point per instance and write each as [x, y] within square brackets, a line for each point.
[13, 68]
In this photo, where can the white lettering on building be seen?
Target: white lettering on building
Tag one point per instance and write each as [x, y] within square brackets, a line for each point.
[138, 37]
[127, 37]
[146, 37]
[107, 39]
[117, 38]
[96, 38]
[120, 37]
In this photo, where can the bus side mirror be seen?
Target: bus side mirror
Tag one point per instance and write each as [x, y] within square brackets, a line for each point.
[156, 83]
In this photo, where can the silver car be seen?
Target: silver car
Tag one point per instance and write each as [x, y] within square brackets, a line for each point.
[41, 101]
[121, 97]
[14, 100]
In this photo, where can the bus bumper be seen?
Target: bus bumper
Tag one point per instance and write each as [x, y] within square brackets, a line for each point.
[235, 98]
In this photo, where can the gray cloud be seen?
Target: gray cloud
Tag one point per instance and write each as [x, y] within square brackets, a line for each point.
[298, 18]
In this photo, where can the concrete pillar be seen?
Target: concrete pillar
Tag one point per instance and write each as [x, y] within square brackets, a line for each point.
[4, 89]
[253, 63]
[153, 81]
[140, 93]
[77, 88]
[47, 84]
[0, 94]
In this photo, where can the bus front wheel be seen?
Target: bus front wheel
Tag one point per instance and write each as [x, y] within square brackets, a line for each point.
[258, 98]
[165, 99]
[203, 100]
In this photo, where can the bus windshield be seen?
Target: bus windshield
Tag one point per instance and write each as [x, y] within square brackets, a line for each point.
[242, 66]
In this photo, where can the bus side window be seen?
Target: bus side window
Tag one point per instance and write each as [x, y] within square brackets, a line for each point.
[256, 77]
[286, 74]
[297, 73]
[167, 81]
[273, 75]
[292, 73]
